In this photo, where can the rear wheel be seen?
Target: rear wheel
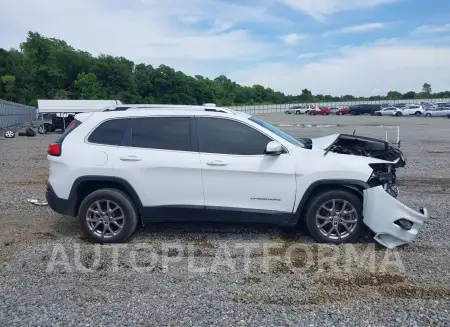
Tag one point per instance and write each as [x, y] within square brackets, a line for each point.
[418, 113]
[108, 216]
[297, 112]
[353, 113]
[398, 114]
[334, 217]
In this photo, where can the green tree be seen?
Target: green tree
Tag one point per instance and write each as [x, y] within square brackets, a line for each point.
[426, 88]
[8, 82]
[88, 87]
[409, 95]
[49, 68]
[393, 95]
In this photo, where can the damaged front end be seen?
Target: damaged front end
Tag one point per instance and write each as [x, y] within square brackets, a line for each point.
[384, 174]
[392, 222]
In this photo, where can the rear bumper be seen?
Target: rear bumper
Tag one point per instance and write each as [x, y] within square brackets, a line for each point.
[61, 206]
[382, 213]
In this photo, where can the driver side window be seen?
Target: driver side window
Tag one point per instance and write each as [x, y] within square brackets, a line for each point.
[224, 136]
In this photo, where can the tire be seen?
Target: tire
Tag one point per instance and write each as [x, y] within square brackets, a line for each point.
[338, 113]
[418, 113]
[116, 199]
[398, 114]
[325, 199]
[353, 113]
[428, 115]
[30, 132]
[297, 112]
[9, 134]
[43, 129]
[378, 114]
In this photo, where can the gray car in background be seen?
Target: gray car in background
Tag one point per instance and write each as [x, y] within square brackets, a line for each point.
[438, 112]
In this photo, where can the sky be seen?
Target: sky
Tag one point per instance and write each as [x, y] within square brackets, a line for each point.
[337, 47]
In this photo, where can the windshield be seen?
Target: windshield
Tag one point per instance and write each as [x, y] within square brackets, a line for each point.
[278, 132]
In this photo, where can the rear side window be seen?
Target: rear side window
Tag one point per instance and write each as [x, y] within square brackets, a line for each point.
[168, 133]
[110, 132]
[226, 136]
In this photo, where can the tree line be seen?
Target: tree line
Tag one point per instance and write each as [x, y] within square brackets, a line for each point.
[48, 68]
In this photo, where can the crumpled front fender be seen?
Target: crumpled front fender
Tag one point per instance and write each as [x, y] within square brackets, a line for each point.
[382, 213]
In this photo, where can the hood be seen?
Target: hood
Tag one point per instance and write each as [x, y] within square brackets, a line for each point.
[324, 142]
[358, 146]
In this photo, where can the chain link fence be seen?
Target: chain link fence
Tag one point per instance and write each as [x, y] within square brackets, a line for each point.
[14, 114]
[269, 108]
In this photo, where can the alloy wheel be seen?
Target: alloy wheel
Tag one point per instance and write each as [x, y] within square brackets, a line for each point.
[336, 219]
[105, 218]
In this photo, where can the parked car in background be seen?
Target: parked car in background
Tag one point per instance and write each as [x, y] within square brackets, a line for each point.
[438, 112]
[361, 109]
[343, 111]
[442, 104]
[310, 107]
[298, 110]
[400, 105]
[428, 105]
[412, 110]
[388, 111]
[320, 111]
[334, 110]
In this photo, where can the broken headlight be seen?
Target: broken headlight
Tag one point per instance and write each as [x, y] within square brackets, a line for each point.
[384, 174]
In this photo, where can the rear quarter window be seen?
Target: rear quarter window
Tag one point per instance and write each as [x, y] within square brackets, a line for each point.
[110, 132]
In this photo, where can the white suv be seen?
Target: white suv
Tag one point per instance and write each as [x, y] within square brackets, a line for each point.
[130, 166]
[411, 110]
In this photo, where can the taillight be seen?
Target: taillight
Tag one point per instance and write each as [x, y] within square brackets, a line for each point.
[54, 149]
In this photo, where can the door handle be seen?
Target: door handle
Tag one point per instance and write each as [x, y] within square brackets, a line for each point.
[216, 163]
[130, 158]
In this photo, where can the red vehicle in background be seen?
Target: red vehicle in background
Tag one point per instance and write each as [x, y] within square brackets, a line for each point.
[343, 111]
[320, 111]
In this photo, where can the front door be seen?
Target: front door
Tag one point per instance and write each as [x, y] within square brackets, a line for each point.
[240, 182]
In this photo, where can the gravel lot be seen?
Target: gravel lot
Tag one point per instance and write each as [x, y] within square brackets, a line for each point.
[315, 285]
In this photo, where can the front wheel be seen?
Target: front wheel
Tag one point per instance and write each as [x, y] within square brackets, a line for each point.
[108, 216]
[297, 112]
[398, 114]
[428, 115]
[334, 217]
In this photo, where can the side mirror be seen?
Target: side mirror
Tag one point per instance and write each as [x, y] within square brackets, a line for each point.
[273, 148]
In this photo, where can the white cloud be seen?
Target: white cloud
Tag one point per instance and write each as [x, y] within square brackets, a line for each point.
[320, 9]
[428, 29]
[151, 31]
[308, 55]
[293, 38]
[358, 70]
[358, 28]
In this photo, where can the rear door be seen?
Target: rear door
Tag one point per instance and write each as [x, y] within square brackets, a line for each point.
[159, 158]
[240, 182]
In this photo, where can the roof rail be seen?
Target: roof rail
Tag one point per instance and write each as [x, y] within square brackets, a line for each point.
[124, 107]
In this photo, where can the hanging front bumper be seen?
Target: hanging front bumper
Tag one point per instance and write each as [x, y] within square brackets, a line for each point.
[392, 222]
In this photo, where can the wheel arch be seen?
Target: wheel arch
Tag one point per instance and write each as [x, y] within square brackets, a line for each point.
[355, 186]
[85, 185]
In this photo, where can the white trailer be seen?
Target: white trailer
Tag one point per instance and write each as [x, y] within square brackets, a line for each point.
[62, 112]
